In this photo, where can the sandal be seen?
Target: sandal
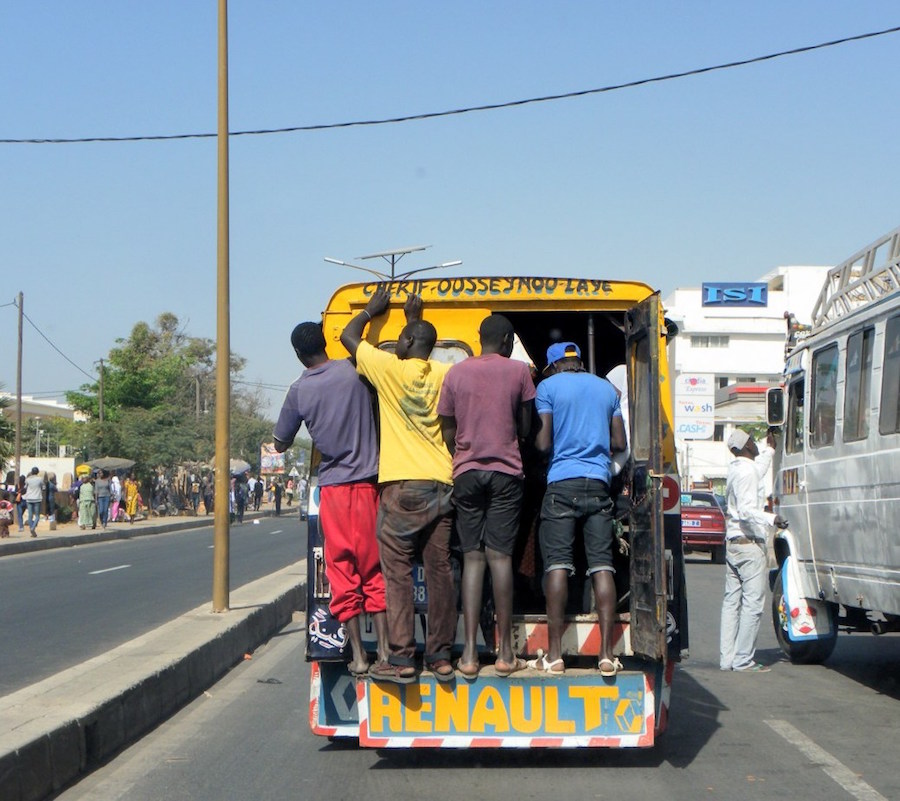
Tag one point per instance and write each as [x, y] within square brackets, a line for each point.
[385, 671]
[505, 669]
[442, 670]
[753, 667]
[556, 668]
[358, 674]
[609, 667]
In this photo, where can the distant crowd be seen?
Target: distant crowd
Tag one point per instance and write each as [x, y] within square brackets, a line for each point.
[101, 497]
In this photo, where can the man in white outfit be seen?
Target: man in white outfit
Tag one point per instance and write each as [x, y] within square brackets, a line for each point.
[746, 529]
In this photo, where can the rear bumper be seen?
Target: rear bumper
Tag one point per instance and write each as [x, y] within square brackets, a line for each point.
[702, 541]
[580, 709]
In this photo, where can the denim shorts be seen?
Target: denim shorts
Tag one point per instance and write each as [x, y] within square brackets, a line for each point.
[487, 510]
[568, 504]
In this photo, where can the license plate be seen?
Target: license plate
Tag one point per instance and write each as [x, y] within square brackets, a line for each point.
[691, 524]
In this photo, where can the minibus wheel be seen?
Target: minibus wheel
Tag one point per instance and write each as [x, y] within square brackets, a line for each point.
[809, 652]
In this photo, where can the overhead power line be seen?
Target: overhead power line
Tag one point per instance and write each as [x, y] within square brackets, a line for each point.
[261, 385]
[469, 109]
[52, 345]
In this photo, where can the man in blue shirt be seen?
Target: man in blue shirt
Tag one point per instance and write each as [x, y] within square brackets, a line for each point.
[581, 426]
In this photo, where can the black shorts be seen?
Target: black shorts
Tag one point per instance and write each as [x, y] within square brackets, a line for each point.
[487, 510]
[567, 504]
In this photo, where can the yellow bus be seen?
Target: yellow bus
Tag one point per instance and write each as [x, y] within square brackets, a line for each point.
[614, 323]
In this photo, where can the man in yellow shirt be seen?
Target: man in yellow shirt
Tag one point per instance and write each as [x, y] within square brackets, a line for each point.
[415, 474]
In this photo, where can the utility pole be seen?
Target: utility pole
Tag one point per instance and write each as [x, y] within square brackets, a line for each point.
[21, 305]
[100, 394]
[220, 598]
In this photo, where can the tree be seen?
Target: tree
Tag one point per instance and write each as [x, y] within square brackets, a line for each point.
[7, 434]
[159, 401]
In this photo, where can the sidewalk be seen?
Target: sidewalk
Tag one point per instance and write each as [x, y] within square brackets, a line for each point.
[54, 731]
[68, 534]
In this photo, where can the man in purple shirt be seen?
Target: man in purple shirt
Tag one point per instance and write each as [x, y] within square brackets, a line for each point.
[337, 409]
[485, 407]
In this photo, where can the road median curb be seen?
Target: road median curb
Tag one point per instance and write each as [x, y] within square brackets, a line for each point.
[67, 724]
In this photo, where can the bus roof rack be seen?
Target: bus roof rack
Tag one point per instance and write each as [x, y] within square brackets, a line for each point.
[867, 276]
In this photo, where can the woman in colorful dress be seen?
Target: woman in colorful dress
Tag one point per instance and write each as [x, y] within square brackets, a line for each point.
[130, 489]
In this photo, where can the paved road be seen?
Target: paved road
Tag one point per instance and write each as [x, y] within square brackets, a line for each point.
[63, 606]
[824, 732]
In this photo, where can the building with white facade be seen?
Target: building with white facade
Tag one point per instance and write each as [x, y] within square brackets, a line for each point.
[732, 337]
[35, 407]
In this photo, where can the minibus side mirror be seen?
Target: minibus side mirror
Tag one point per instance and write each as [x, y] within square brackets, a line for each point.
[775, 406]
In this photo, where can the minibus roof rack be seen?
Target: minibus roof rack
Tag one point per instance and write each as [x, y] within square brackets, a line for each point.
[867, 276]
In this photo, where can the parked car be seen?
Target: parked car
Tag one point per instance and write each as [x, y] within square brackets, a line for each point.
[703, 524]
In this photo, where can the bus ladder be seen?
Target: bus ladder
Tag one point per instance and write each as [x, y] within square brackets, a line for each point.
[867, 276]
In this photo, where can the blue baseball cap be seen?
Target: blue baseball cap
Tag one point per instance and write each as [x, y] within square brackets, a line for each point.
[562, 350]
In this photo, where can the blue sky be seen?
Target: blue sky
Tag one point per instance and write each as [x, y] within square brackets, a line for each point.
[723, 176]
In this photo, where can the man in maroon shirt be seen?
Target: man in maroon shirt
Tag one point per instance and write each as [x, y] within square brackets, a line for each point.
[485, 407]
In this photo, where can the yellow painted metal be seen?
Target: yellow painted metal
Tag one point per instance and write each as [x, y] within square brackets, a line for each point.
[456, 306]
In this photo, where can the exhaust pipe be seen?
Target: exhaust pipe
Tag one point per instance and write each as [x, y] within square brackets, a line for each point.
[885, 626]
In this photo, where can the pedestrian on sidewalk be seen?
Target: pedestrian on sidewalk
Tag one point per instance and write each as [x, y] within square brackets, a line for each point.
[50, 498]
[115, 498]
[7, 512]
[208, 493]
[34, 496]
[241, 493]
[102, 494]
[195, 492]
[21, 504]
[131, 497]
[258, 491]
[278, 489]
[86, 503]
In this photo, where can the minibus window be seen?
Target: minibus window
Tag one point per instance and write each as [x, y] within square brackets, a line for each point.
[794, 424]
[824, 395]
[856, 385]
[889, 418]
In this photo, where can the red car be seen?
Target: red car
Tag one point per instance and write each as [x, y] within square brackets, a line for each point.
[703, 524]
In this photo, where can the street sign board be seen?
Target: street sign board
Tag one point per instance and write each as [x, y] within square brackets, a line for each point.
[695, 406]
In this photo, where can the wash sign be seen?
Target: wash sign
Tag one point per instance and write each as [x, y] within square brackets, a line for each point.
[695, 406]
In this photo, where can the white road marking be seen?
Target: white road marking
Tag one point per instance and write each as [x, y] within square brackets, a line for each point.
[277, 531]
[108, 570]
[838, 771]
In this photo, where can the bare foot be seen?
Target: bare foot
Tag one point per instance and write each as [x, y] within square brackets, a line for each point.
[358, 668]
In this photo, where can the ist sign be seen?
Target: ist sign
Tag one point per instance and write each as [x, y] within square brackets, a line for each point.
[735, 294]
